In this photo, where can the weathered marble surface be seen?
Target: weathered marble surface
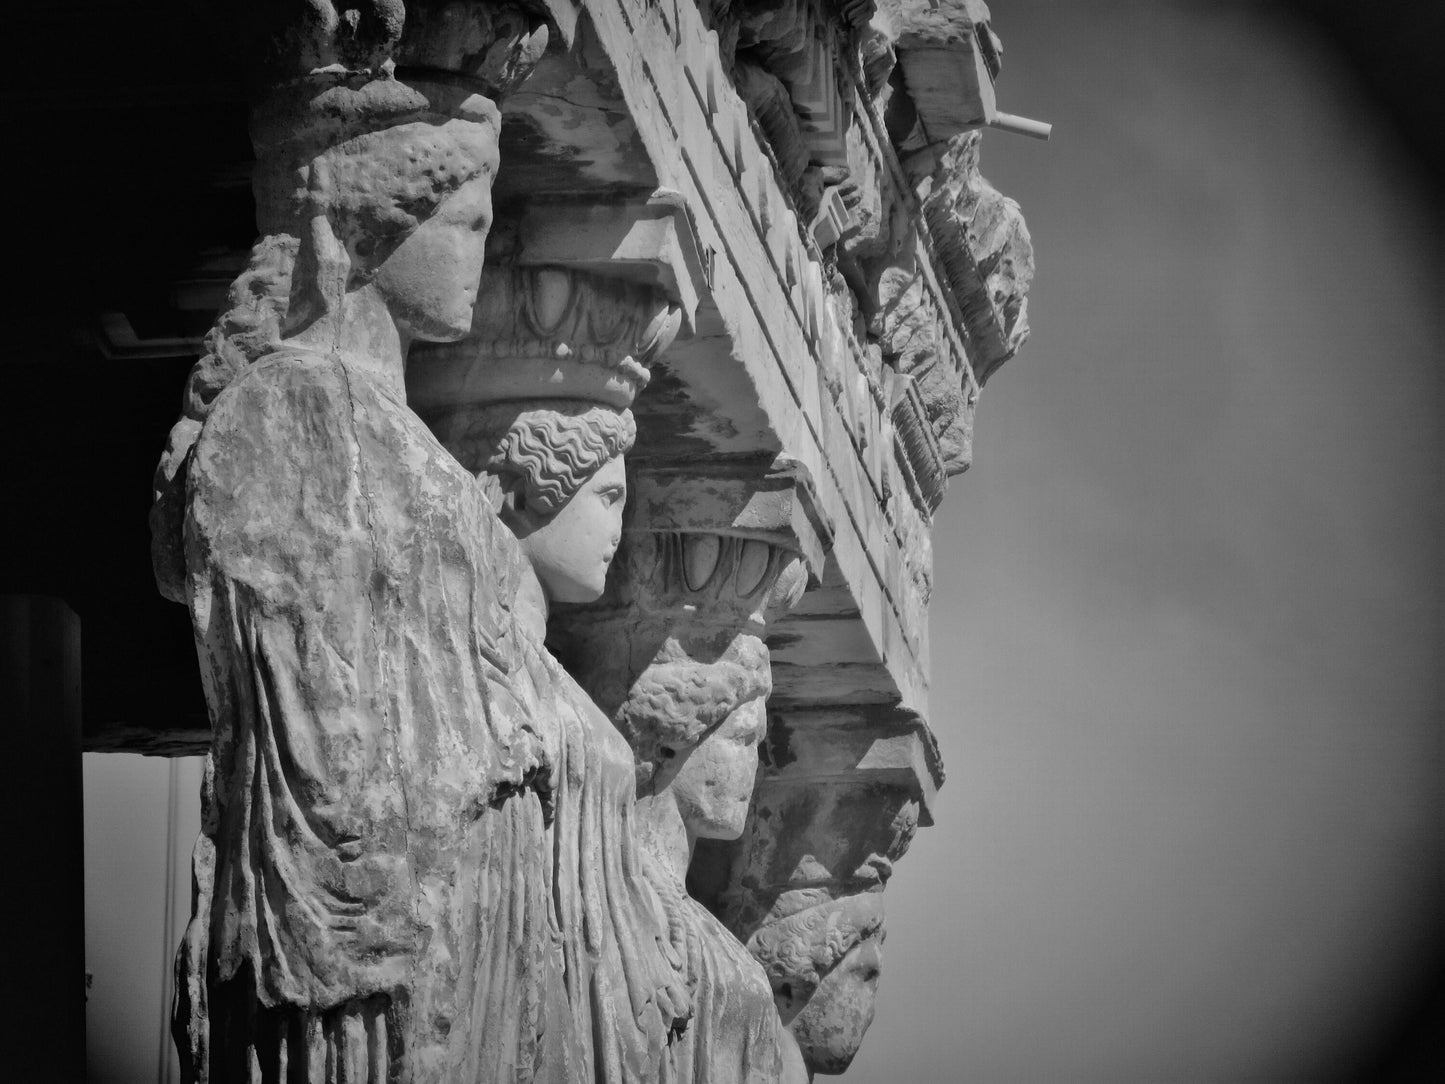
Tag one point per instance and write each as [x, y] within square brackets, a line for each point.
[417, 860]
[937, 42]
[674, 656]
[418, 835]
[431, 851]
[681, 665]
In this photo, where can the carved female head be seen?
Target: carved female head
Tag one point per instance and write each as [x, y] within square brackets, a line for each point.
[537, 398]
[559, 467]
[695, 712]
[823, 956]
[357, 179]
[694, 717]
[403, 206]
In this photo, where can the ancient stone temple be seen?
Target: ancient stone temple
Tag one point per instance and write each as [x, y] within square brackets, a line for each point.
[543, 536]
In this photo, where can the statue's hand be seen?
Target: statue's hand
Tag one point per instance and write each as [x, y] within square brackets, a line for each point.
[675, 1005]
[674, 1000]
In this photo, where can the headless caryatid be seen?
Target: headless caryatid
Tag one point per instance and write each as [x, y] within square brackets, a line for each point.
[417, 859]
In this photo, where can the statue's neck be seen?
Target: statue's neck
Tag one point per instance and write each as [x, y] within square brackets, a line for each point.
[531, 605]
[361, 331]
[662, 834]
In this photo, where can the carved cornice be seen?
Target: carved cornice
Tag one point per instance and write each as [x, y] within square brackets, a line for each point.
[916, 446]
[795, 339]
[651, 242]
[772, 105]
[919, 319]
[804, 47]
[949, 58]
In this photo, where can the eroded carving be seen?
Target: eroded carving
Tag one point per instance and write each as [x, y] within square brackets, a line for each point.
[806, 881]
[417, 858]
[823, 956]
[422, 858]
[986, 251]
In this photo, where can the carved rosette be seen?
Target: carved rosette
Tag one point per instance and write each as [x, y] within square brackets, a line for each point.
[823, 954]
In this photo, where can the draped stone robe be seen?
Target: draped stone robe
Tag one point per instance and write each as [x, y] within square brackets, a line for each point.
[736, 1036]
[416, 860]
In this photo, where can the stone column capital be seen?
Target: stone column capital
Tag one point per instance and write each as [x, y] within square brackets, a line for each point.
[546, 333]
[772, 502]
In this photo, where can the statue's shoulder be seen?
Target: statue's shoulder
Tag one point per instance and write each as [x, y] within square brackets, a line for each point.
[277, 389]
[287, 365]
[295, 401]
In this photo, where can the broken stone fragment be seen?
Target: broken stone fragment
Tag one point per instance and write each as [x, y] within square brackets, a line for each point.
[983, 244]
[937, 43]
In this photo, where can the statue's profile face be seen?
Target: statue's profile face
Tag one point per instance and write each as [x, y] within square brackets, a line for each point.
[571, 549]
[715, 784]
[430, 280]
[831, 1026]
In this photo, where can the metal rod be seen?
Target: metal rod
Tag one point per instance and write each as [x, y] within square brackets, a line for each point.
[1035, 129]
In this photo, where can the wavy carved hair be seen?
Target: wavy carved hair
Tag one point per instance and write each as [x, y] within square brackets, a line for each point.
[803, 947]
[542, 449]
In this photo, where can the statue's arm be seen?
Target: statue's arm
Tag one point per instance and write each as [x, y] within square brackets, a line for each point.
[355, 641]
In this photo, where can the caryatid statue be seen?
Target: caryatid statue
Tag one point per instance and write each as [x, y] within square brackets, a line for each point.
[676, 655]
[823, 954]
[535, 403]
[417, 859]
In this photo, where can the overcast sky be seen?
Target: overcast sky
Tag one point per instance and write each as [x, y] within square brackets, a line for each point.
[1192, 821]
[1191, 825]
